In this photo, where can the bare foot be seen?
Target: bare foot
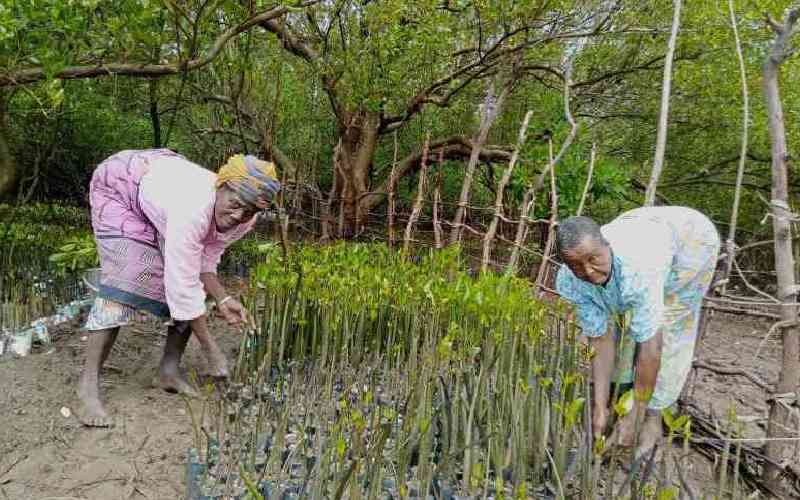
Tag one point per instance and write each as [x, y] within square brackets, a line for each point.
[624, 431]
[217, 362]
[175, 383]
[650, 436]
[92, 413]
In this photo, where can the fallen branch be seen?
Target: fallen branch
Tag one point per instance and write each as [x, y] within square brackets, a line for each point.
[707, 440]
[742, 312]
[733, 371]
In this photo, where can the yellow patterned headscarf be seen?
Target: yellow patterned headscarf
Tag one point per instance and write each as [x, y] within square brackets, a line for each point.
[254, 180]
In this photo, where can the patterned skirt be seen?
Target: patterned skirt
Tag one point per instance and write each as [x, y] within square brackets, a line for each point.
[129, 247]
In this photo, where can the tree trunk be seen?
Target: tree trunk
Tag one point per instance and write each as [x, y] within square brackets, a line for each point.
[780, 418]
[661, 138]
[8, 167]
[358, 133]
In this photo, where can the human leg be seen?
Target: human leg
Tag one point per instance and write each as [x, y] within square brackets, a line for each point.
[170, 376]
[93, 413]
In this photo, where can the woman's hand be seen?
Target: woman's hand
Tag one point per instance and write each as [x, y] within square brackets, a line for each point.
[233, 311]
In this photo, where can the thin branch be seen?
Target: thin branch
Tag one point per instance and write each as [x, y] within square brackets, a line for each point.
[498, 203]
[730, 243]
[661, 139]
[751, 287]
[423, 174]
[588, 179]
[774, 328]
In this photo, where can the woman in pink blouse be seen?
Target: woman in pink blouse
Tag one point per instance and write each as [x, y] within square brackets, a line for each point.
[161, 224]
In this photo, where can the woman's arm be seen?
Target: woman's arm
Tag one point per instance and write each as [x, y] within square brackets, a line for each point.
[213, 286]
[648, 363]
[231, 309]
[602, 368]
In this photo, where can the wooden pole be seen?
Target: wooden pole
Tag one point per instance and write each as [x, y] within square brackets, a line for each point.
[780, 415]
[542, 273]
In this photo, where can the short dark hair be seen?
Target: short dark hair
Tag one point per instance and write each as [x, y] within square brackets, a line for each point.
[573, 230]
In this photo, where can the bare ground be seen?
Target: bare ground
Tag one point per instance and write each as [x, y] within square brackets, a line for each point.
[45, 455]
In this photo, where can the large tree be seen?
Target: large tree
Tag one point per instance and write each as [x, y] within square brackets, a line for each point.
[381, 64]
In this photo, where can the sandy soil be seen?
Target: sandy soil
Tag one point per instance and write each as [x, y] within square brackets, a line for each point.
[45, 455]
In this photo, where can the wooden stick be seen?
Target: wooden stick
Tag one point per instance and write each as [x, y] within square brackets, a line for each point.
[661, 136]
[743, 312]
[529, 199]
[541, 274]
[737, 194]
[423, 172]
[491, 109]
[501, 186]
[392, 183]
[437, 197]
[526, 210]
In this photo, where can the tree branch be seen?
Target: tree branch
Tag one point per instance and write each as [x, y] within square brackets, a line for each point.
[291, 42]
[145, 70]
[452, 148]
[733, 371]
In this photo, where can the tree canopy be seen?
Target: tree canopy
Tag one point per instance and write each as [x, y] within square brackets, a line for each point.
[330, 89]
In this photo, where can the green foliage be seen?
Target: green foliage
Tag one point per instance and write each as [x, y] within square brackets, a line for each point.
[77, 254]
[375, 280]
[380, 56]
[54, 34]
[421, 371]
